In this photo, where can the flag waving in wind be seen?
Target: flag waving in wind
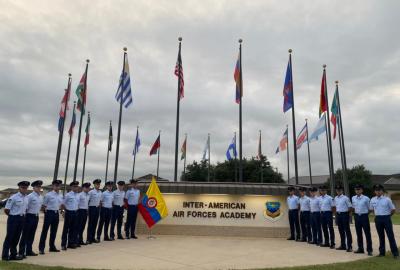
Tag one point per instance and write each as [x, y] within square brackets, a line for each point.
[231, 148]
[322, 102]
[179, 73]
[124, 88]
[288, 89]
[319, 129]
[302, 137]
[73, 122]
[335, 113]
[81, 93]
[283, 143]
[237, 76]
[206, 150]
[155, 147]
[87, 131]
[110, 138]
[137, 143]
[183, 150]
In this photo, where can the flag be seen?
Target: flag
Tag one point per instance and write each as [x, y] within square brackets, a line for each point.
[288, 89]
[87, 131]
[319, 129]
[237, 76]
[183, 150]
[179, 73]
[81, 93]
[124, 87]
[335, 112]
[231, 147]
[322, 102]
[155, 146]
[206, 150]
[302, 137]
[137, 143]
[110, 139]
[153, 207]
[259, 154]
[73, 122]
[283, 143]
[64, 106]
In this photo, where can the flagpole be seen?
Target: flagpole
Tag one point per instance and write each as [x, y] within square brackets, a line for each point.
[134, 150]
[84, 157]
[108, 153]
[209, 157]
[158, 155]
[344, 170]
[260, 158]
[80, 125]
[177, 119]
[309, 157]
[184, 161]
[61, 132]
[236, 178]
[240, 113]
[287, 151]
[69, 149]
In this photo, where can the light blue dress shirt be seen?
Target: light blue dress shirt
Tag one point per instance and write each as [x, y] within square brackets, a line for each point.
[35, 201]
[326, 203]
[342, 203]
[315, 204]
[94, 197]
[132, 195]
[107, 199]
[17, 204]
[382, 205]
[118, 197]
[361, 204]
[304, 203]
[292, 202]
[70, 201]
[53, 200]
[83, 201]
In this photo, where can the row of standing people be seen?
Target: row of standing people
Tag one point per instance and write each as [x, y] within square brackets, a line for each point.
[311, 218]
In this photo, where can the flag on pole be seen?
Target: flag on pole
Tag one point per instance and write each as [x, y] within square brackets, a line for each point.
[322, 102]
[155, 146]
[87, 129]
[73, 122]
[153, 207]
[259, 154]
[183, 150]
[137, 144]
[283, 143]
[302, 137]
[319, 129]
[237, 74]
[110, 139]
[206, 150]
[288, 89]
[124, 91]
[64, 106]
[335, 113]
[179, 73]
[231, 148]
[81, 93]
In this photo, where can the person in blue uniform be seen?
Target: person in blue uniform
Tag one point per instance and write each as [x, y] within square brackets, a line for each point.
[15, 209]
[293, 208]
[326, 205]
[304, 202]
[51, 206]
[34, 204]
[343, 208]
[132, 197]
[94, 211]
[315, 217]
[361, 220]
[105, 211]
[70, 207]
[118, 210]
[383, 209]
[83, 206]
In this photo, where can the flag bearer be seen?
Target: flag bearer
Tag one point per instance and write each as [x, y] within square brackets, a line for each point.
[70, 205]
[326, 204]
[293, 207]
[132, 196]
[343, 208]
[105, 211]
[361, 210]
[304, 202]
[34, 204]
[118, 210]
[51, 206]
[315, 217]
[383, 209]
[15, 209]
[83, 205]
[94, 211]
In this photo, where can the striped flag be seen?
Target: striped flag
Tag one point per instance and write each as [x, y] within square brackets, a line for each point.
[237, 76]
[110, 138]
[319, 129]
[137, 143]
[283, 143]
[124, 88]
[302, 137]
[183, 150]
[179, 73]
[81, 93]
[335, 113]
[73, 122]
[155, 147]
[64, 106]
[87, 129]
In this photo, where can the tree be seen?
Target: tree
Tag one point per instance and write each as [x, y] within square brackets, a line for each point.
[356, 175]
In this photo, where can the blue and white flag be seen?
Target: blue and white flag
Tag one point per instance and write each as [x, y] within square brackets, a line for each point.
[124, 87]
[137, 143]
[206, 150]
[319, 129]
[231, 148]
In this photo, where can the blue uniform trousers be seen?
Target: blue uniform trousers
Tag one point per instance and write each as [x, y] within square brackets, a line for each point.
[82, 218]
[70, 228]
[28, 234]
[343, 221]
[327, 227]
[294, 224]
[105, 218]
[316, 227]
[382, 224]
[117, 217]
[93, 217]
[305, 226]
[130, 225]
[14, 229]
[362, 224]
[51, 220]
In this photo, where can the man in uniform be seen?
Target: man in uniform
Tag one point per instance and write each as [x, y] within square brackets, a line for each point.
[343, 208]
[305, 216]
[34, 204]
[132, 197]
[70, 205]
[326, 204]
[118, 210]
[94, 211]
[83, 205]
[315, 217]
[293, 207]
[105, 211]
[51, 206]
[15, 210]
[383, 209]
[361, 210]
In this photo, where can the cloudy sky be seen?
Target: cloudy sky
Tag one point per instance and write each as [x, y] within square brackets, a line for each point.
[43, 41]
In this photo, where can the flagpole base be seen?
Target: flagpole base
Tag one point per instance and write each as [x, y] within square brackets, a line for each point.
[150, 236]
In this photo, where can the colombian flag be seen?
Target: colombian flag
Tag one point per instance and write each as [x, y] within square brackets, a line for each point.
[153, 207]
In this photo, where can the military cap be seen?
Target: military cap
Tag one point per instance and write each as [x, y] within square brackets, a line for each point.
[56, 182]
[359, 186]
[291, 189]
[323, 188]
[96, 181]
[302, 188]
[313, 189]
[37, 183]
[74, 183]
[339, 187]
[132, 181]
[23, 184]
[378, 187]
[121, 183]
[109, 183]
[86, 185]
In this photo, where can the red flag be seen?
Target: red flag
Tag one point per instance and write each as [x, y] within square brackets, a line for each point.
[155, 146]
[322, 102]
[333, 121]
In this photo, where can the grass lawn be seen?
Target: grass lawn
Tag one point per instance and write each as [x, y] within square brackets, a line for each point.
[395, 219]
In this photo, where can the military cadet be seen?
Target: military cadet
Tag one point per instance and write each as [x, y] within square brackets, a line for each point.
[326, 205]
[343, 208]
[70, 206]
[83, 205]
[118, 210]
[51, 205]
[361, 210]
[304, 201]
[132, 197]
[105, 211]
[315, 217]
[383, 209]
[94, 211]
[293, 207]
[34, 204]
[15, 209]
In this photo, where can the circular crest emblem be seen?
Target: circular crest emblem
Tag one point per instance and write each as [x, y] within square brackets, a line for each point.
[152, 202]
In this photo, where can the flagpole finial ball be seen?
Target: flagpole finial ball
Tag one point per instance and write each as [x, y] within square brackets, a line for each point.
[290, 50]
[336, 82]
[69, 74]
[180, 39]
[324, 66]
[87, 60]
[240, 40]
[125, 49]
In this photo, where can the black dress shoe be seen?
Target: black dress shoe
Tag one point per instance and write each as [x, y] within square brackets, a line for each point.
[290, 239]
[96, 240]
[112, 238]
[83, 243]
[31, 254]
[107, 239]
[349, 250]
[341, 248]
[41, 252]
[89, 242]
[63, 248]
[121, 238]
[16, 258]
[303, 240]
[324, 245]
[369, 253]
[332, 246]
[134, 237]
[54, 250]
[359, 251]
[72, 246]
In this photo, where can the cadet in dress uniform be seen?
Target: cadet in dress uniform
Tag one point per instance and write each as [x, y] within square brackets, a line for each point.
[94, 211]
[83, 205]
[326, 204]
[105, 211]
[51, 206]
[304, 201]
[383, 209]
[315, 216]
[293, 207]
[118, 210]
[343, 208]
[15, 209]
[70, 205]
[132, 197]
[361, 220]
[34, 204]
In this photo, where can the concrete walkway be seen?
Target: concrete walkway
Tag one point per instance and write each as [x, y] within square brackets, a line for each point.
[183, 252]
